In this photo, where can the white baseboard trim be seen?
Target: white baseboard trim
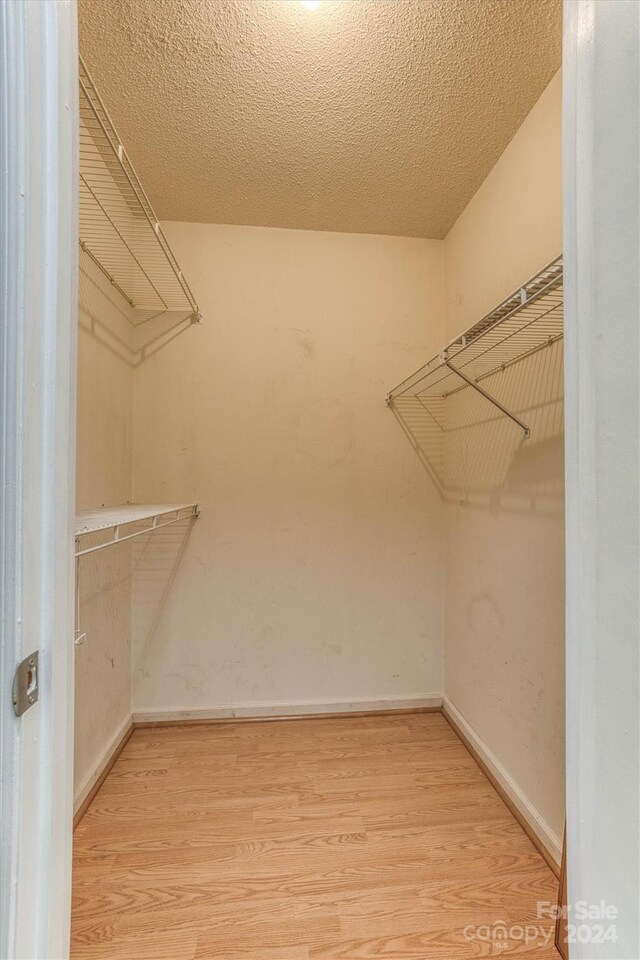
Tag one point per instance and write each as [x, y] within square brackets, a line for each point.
[102, 762]
[537, 825]
[302, 708]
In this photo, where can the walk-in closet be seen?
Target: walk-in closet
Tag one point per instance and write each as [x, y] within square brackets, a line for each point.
[319, 565]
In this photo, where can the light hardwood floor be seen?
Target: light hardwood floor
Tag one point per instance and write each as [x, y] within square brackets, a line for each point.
[349, 838]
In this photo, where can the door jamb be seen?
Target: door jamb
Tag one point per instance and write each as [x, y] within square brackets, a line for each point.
[38, 329]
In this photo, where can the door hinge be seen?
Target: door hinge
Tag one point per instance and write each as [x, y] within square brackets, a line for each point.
[25, 684]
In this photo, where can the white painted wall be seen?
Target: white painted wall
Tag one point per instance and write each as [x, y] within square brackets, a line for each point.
[504, 606]
[513, 224]
[602, 226]
[104, 476]
[315, 573]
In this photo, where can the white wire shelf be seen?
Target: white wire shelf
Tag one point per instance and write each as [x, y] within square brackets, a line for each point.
[118, 228]
[113, 519]
[529, 320]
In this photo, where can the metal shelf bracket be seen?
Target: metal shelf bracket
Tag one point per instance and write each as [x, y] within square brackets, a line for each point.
[486, 395]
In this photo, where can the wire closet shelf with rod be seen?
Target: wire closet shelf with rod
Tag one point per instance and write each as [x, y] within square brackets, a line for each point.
[527, 321]
[118, 228]
[104, 527]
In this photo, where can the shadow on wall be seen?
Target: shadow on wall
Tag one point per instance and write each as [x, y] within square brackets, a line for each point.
[149, 562]
[156, 560]
[107, 316]
[122, 592]
[104, 603]
[103, 659]
[474, 454]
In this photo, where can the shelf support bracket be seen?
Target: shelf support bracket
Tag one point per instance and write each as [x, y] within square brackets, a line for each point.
[487, 396]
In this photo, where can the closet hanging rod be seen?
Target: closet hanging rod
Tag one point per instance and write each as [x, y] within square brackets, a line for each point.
[113, 518]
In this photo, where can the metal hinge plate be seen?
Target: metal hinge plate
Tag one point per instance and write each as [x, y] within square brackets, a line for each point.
[25, 684]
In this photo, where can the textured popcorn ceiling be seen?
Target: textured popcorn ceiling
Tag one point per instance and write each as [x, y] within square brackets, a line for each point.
[374, 116]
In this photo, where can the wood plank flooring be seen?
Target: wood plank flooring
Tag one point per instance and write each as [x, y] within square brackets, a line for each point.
[325, 839]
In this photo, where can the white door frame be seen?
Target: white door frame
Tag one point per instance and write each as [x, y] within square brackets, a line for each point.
[601, 133]
[38, 311]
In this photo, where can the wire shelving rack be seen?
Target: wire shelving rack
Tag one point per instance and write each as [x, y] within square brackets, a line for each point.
[108, 526]
[527, 321]
[118, 227]
[111, 519]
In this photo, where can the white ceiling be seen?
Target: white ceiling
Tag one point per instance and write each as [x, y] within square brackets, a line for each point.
[370, 116]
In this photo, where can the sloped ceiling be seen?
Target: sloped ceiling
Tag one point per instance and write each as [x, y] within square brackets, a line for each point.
[369, 116]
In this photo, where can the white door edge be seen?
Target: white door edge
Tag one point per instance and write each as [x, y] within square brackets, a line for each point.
[38, 311]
